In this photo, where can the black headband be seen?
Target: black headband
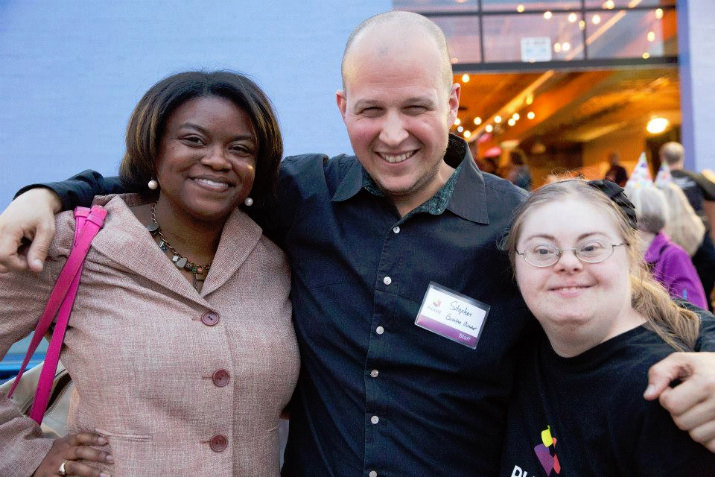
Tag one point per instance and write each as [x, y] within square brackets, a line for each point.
[617, 195]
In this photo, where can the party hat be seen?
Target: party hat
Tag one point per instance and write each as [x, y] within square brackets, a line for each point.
[640, 177]
[663, 177]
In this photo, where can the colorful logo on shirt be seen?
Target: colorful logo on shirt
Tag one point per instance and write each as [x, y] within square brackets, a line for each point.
[546, 452]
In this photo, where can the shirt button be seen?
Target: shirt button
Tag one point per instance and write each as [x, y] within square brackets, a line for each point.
[210, 318]
[218, 443]
[221, 378]
[379, 330]
[396, 229]
[387, 280]
[374, 419]
[374, 373]
[372, 473]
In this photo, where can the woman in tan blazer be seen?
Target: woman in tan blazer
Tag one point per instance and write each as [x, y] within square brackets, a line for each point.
[180, 343]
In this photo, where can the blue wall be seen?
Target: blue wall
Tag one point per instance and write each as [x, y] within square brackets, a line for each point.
[71, 72]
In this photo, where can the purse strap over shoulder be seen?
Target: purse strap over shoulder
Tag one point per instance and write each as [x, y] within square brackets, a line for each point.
[88, 222]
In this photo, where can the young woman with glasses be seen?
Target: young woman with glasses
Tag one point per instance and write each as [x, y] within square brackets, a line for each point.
[578, 408]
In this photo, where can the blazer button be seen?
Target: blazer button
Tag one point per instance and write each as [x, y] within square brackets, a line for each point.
[221, 378]
[210, 318]
[218, 443]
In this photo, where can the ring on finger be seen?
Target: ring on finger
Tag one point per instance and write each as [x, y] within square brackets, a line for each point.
[62, 471]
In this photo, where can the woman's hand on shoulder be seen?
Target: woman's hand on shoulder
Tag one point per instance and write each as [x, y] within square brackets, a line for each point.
[30, 217]
[71, 453]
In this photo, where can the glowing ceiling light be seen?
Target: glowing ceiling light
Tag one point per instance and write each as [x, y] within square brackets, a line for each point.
[497, 119]
[582, 25]
[609, 4]
[489, 128]
[467, 133]
[659, 13]
[548, 15]
[646, 55]
[566, 46]
[477, 121]
[520, 8]
[530, 115]
[529, 99]
[657, 125]
[596, 19]
[516, 116]
[465, 78]
[572, 17]
[557, 47]
[511, 121]
[651, 36]
[457, 122]
[460, 129]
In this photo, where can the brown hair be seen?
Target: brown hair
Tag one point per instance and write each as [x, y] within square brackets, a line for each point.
[677, 326]
[148, 121]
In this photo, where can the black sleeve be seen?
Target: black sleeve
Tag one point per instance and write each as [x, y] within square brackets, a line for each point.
[79, 190]
[706, 340]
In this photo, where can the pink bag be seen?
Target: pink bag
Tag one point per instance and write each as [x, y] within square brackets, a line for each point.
[87, 224]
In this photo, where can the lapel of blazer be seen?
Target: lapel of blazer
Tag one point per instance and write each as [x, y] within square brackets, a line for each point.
[126, 241]
[239, 237]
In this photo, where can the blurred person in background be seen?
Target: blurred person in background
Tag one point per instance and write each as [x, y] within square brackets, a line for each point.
[685, 228]
[616, 173]
[667, 261]
[698, 189]
[518, 172]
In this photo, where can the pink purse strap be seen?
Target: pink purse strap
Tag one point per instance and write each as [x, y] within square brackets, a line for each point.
[88, 222]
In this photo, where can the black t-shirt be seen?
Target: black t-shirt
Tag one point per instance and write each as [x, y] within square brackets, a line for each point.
[586, 416]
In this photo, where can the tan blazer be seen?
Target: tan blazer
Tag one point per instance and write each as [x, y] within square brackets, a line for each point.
[180, 382]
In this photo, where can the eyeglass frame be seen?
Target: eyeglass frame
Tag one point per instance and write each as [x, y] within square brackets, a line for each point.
[572, 249]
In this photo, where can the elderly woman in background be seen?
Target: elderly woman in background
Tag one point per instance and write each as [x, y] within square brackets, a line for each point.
[578, 409]
[667, 261]
[687, 229]
[180, 345]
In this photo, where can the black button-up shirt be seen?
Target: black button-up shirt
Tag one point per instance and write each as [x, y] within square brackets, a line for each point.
[378, 395]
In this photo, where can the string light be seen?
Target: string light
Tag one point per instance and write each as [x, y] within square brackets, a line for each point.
[465, 78]
[530, 115]
[477, 121]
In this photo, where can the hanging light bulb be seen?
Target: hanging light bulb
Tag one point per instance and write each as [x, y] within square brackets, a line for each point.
[657, 125]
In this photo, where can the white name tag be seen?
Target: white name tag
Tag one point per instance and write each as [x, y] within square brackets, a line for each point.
[452, 315]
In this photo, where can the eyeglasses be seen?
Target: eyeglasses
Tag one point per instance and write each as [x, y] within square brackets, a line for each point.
[546, 255]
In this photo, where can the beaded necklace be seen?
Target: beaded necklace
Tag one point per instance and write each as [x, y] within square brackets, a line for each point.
[198, 271]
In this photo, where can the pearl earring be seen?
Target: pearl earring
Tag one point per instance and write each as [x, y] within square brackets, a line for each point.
[153, 184]
[248, 202]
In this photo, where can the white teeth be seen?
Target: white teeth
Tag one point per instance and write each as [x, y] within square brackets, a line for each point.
[211, 183]
[392, 159]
